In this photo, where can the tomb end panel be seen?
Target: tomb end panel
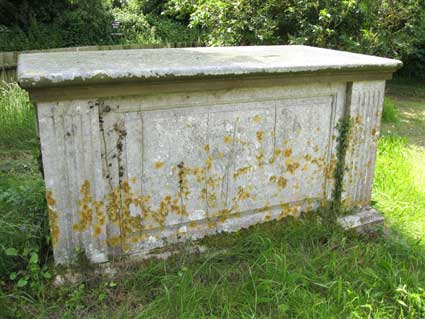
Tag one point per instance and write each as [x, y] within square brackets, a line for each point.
[365, 110]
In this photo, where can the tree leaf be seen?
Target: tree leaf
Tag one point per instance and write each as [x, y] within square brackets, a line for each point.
[11, 251]
[47, 275]
[22, 282]
[34, 258]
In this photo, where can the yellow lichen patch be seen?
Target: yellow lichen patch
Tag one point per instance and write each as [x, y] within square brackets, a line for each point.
[373, 132]
[183, 182]
[212, 200]
[211, 224]
[316, 148]
[49, 199]
[220, 155]
[285, 210]
[318, 129]
[159, 164]
[134, 239]
[329, 169]
[287, 152]
[97, 230]
[207, 147]
[193, 224]
[242, 194]
[282, 182]
[265, 207]
[273, 179]
[208, 162]
[292, 166]
[316, 161]
[85, 212]
[223, 215]
[100, 216]
[276, 154]
[228, 139]
[242, 142]
[260, 136]
[114, 241]
[286, 142]
[358, 119]
[163, 211]
[203, 193]
[260, 157]
[267, 217]
[211, 183]
[53, 218]
[307, 157]
[133, 180]
[257, 118]
[241, 171]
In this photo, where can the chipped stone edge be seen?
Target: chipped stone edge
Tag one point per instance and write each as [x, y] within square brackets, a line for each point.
[362, 221]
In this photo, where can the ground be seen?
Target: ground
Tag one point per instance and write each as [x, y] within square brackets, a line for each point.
[292, 269]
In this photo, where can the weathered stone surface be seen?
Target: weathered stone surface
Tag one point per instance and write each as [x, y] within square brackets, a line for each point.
[132, 172]
[49, 69]
[362, 221]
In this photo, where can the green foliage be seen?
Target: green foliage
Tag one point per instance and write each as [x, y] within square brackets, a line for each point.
[389, 113]
[24, 240]
[396, 191]
[79, 23]
[142, 23]
[17, 124]
[23, 229]
[73, 23]
[388, 28]
[414, 62]
[343, 139]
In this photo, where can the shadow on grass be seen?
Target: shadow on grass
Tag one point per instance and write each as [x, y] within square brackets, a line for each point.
[409, 102]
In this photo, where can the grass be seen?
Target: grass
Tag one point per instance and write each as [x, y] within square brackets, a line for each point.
[292, 269]
[17, 123]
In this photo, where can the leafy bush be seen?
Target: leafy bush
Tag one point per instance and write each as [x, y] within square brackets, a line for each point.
[391, 28]
[141, 22]
[73, 23]
[23, 229]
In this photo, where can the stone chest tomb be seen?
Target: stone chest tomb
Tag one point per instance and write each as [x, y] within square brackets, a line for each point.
[143, 148]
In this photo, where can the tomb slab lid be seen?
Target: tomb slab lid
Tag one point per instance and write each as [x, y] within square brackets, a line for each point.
[38, 70]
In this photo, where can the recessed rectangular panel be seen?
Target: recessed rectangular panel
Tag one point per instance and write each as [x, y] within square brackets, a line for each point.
[187, 165]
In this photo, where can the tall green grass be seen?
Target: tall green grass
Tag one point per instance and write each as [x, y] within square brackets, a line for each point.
[17, 121]
[389, 113]
[395, 191]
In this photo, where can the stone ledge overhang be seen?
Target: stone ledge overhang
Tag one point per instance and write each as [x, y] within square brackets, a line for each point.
[91, 68]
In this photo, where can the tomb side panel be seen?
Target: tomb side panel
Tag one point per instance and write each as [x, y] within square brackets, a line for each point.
[190, 165]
